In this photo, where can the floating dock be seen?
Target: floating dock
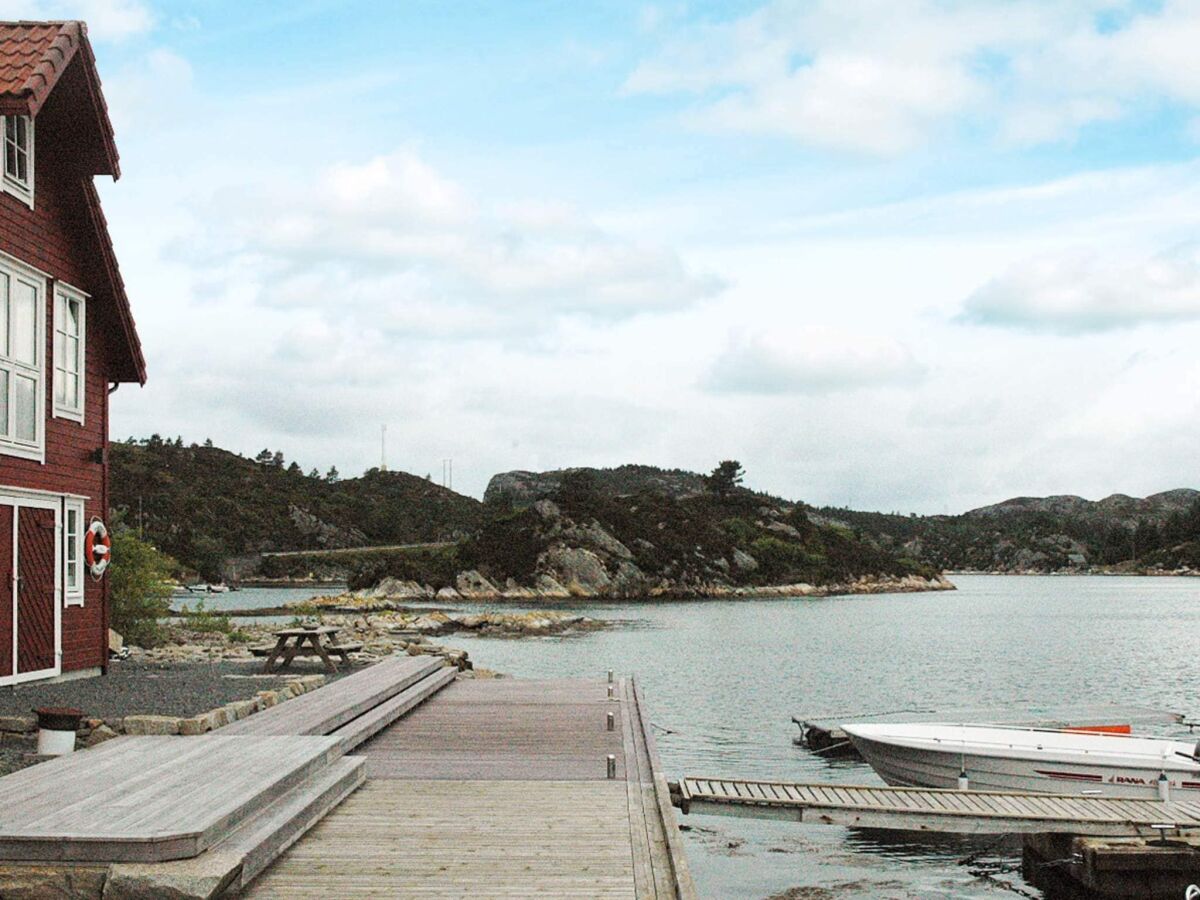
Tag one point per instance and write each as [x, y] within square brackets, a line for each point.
[1111, 848]
[824, 734]
[918, 809]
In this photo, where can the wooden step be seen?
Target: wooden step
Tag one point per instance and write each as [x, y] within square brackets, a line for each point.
[234, 862]
[150, 799]
[327, 709]
[373, 721]
[280, 826]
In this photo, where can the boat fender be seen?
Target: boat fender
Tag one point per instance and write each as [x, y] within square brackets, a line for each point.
[1164, 787]
[97, 548]
[963, 783]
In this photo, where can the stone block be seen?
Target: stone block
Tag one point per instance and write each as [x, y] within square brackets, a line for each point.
[143, 725]
[267, 699]
[243, 708]
[209, 875]
[58, 881]
[18, 724]
[99, 735]
[197, 724]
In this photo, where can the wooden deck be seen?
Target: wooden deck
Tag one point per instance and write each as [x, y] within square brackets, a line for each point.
[500, 789]
[966, 812]
[341, 701]
[149, 799]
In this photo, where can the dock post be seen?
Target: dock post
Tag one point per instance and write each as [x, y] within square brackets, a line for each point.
[612, 692]
[610, 676]
[612, 721]
[612, 766]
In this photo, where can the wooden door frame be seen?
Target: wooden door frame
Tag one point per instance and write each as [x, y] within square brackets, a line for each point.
[54, 503]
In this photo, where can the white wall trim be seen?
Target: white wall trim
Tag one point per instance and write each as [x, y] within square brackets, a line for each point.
[62, 411]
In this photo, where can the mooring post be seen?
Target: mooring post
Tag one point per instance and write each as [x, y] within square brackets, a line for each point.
[610, 676]
[612, 692]
[612, 766]
[612, 721]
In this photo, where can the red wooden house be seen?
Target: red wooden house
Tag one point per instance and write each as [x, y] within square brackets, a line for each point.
[67, 340]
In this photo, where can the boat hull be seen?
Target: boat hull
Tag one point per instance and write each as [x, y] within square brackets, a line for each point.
[902, 766]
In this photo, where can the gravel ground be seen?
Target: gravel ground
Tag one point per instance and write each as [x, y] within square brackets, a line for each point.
[134, 687]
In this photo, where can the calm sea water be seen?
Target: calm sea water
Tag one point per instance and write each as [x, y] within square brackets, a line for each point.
[723, 679]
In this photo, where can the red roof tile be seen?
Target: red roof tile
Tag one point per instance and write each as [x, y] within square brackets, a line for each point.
[32, 57]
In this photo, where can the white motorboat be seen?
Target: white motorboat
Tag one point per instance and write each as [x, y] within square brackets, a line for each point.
[998, 758]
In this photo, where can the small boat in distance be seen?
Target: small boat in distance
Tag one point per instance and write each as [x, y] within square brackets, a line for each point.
[998, 758]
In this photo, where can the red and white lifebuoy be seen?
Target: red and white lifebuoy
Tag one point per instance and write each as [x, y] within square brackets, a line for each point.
[97, 548]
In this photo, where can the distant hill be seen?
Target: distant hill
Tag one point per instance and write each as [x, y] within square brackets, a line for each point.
[1045, 534]
[1157, 507]
[637, 531]
[522, 488]
[204, 505]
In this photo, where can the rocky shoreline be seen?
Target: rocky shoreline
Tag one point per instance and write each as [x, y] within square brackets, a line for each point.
[395, 594]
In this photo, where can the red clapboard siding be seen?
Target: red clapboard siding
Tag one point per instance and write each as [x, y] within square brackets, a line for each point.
[54, 237]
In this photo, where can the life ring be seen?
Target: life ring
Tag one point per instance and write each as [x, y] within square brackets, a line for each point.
[97, 548]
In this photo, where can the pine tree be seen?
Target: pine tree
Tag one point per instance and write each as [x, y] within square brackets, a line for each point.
[726, 478]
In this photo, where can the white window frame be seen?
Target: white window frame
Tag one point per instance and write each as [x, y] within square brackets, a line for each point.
[64, 294]
[73, 596]
[16, 270]
[21, 190]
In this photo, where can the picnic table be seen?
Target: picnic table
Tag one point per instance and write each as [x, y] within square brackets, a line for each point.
[318, 641]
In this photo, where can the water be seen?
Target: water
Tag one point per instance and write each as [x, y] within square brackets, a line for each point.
[723, 679]
[253, 598]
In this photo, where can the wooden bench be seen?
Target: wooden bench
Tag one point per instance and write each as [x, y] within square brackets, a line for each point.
[318, 641]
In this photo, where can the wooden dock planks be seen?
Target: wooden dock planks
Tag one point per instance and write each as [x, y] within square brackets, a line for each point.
[499, 789]
[447, 838]
[147, 799]
[971, 812]
[341, 701]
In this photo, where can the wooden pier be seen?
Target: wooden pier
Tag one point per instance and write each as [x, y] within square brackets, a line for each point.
[501, 789]
[921, 809]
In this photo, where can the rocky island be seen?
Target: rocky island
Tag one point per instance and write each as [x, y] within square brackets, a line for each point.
[573, 536]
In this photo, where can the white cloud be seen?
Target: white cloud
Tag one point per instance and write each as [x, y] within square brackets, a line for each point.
[810, 361]
[392, 239]
[1075, 293]
[107, 20]
[884, 77]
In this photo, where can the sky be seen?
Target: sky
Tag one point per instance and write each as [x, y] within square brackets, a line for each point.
[907, 255]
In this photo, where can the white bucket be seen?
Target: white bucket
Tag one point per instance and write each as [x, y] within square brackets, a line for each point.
[55, 743]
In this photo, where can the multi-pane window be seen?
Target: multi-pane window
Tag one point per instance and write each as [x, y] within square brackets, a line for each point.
[68, 353]
[73, 552]
[18, 156]
[21, 312]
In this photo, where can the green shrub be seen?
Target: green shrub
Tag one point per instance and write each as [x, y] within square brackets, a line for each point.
[200, 618]
[138, 588]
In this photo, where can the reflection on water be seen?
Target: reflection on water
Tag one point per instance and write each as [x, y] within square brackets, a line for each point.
[723, 678]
